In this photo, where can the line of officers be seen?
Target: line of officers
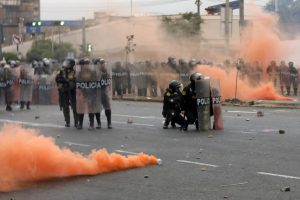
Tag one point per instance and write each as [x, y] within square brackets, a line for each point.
[180, 104]
[84, 100]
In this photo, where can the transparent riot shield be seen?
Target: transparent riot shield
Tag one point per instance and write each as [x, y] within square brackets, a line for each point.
[88, 90]
[203, 103]
[43, 89]
[11, 89]
[26, 81]
[216, 104]
[2, 86]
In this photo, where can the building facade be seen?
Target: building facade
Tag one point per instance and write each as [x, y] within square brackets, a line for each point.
[14, 14]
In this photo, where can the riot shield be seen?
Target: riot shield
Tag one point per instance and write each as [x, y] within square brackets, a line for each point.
[88, 86]
[43, 89]
[2, 86]
[203, 103]
[26, 83]
[216, 101]
[10, 78]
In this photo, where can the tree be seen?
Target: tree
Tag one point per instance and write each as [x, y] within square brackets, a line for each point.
[46, 49]
[10, 56]
[186, 24]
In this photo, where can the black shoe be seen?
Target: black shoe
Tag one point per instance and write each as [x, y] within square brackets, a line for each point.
[91, 128]
[165, 126]
[28, 106]
[109, 126]
[98, 126]
[8, 108]
[67, 125]
[173, 125]
[79, 127]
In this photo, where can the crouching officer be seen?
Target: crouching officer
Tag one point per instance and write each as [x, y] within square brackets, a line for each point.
[172, 105]
[189, 101]
[66, 82]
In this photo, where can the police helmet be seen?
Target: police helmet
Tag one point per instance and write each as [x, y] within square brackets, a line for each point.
[291, 63]
[81, 62]
[46, 61]
[174, 85]
[195, 76]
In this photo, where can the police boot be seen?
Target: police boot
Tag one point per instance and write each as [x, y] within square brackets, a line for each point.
[75, 116]
[8, 107]
[197, 125]
[295, 91]
[173, 124]
[166, 124]
[288, 90]
[108, 116]
[80, 121]
[28, 105]
[22, 105]
[91, 118]
[98, 120]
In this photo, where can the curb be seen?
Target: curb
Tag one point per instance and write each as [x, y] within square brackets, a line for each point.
[258, 103]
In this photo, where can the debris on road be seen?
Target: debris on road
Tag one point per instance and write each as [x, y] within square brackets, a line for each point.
[260, 114]
[159, 161]
[285, 189]
[129, 120]
[58, 136]
[146, 176]
[36, 117]
[210, 136]
[235, 184]
[247, 119]
[203, 169]
[281, 131]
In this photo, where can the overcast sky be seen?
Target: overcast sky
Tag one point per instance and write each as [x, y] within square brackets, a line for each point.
[76, 9]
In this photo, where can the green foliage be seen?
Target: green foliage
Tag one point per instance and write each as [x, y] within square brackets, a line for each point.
[186, 24]
[43, 49]
[10, 56]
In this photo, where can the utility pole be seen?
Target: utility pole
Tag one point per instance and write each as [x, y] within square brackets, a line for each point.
[83, 36]
[198, 3]
[242, 13]
[131, 8]
[276, 5]
[1, 41]
[227, 22]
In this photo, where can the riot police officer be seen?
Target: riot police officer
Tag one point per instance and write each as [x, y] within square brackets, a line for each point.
[172, 105]
[104, 93]
[189, 101]
[65, 80]
[293, 77]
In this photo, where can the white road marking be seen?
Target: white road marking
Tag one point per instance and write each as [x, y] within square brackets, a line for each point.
[240, 111]
[279, 175]
[126, 152]
[235, 184]
[141, 117]
[137, 124]
[31, 123]
[197, 163]
[76, 144]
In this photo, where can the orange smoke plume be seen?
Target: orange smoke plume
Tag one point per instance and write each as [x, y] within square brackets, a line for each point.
[27, 156]
[261, 39]
[244, 91]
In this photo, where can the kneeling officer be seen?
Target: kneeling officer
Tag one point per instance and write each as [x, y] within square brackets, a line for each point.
[172, 105]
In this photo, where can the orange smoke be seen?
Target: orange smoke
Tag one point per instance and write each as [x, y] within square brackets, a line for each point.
[244, 90]
[26, 157]
[260, 39]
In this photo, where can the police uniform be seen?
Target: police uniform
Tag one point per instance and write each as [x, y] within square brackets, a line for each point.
[189, 105]
[172, 109]
[65, 80]
[104, 93]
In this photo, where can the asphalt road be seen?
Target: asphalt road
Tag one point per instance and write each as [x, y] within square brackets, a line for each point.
[248, 160]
